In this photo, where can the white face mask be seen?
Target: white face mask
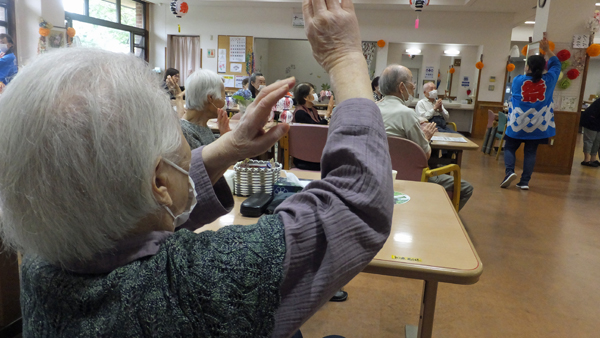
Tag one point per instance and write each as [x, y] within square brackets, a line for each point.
[433, 94]
[410, 97]
[261, 87]
[191, 203]
[3, 48]
[315, 98]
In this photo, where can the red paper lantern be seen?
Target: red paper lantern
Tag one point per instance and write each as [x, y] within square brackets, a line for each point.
[563, 55]
[573, 74]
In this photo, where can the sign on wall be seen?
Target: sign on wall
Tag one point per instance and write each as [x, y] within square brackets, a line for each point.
[466, 82]
[428, 73]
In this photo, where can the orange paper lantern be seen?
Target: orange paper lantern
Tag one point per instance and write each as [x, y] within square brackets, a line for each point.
[71, 32]
[524, 50]
[479, 65]
[452, 70]
[381, 43]
[551, 45]
[44, 31]
[593, 50]
[510, 67]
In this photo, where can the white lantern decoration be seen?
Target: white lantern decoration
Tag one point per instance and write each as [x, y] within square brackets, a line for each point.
[179, 8]
[418, 5]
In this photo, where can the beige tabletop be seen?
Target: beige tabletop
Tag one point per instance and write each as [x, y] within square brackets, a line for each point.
[469, 145]
[425, 243]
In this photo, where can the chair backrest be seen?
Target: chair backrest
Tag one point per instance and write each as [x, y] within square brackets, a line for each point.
[501, 121]
[408, 158]
[491, 119]
[306, 141]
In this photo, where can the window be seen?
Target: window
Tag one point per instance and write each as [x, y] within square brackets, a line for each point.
[115, 25]
[4, 18]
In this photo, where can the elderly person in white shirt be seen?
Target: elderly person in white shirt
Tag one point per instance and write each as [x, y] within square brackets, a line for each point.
[431, 108]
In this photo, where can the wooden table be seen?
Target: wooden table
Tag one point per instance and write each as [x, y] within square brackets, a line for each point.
[425, 243]
[457, 147]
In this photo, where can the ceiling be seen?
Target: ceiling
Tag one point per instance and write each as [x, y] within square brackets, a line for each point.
[523, 9]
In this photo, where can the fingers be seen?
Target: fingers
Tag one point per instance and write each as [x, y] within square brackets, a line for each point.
[273, 135]
[269, 96]
[347, 5]
[307, 11]
[318, 5]
[332, 4]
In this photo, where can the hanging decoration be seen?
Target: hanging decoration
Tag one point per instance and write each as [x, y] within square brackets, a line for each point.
[564, 83]
[479, 65]
[70, 35]
[380, 43]
[524, 51]
[561, 75]
[594, 23]
[44, 31]
[573, 74]
[179, 8]
[510, 67]
[452, 70]
[565, 64]
[593, 50]
[418, 6]
[563, 55]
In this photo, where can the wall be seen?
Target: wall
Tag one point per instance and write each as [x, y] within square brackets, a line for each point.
[261, 57]
[294, 58]
[493, 30]
[27, 15]
[592, 86]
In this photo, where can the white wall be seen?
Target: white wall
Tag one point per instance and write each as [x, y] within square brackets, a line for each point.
[592, 86]
[294, 58]
[490, 30]
[27, 15]
[261, 57]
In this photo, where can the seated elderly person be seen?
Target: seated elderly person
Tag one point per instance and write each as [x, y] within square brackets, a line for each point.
[99, 189]
[306, 98]
[396, 83]
[257, 83]
[205, 100]
[432, 109]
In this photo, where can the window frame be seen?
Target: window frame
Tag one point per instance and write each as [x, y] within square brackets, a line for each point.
[133, 31]
[10, 24]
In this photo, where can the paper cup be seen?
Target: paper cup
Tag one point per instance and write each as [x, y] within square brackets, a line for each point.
[394, 173]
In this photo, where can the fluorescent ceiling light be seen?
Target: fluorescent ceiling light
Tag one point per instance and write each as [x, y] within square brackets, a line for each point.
[413, 51]
[530, 22]
[597, 3]
[452, 52]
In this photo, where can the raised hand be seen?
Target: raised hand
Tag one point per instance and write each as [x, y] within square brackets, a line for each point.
[429, 129]
[223, 122]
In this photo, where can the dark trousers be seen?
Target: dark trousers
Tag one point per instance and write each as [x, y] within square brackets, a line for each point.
[441, 125]
[510, 148]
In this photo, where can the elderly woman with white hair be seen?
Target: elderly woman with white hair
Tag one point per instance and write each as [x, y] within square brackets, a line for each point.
[205, 99]
[99, 188]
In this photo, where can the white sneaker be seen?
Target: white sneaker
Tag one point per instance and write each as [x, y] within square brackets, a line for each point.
[508, 180]
[522, 186]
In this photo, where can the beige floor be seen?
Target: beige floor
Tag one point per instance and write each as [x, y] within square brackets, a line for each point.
[541, 256]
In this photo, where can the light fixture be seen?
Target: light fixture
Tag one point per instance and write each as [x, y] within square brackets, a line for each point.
[452, 52]
[413, 51]
[530, 22]
[515, 52]
[597, 3]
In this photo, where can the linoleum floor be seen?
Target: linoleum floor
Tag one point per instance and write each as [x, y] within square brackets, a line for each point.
[541, 255]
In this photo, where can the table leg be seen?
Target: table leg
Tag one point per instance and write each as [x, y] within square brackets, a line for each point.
[459, 157]
[425, 328]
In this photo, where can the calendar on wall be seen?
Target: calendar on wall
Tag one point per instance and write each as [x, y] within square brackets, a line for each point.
[237, 49]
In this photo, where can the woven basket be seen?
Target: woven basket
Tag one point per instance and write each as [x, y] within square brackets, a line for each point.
[252, 180]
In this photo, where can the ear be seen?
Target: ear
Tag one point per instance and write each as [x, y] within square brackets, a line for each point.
[160, 182]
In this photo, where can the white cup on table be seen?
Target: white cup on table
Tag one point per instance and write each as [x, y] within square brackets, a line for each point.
[394, 173]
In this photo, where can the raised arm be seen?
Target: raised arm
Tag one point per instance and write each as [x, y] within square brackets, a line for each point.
[335, 227]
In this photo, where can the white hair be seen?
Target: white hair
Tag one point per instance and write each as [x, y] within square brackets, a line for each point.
[81, 132]
[428, 84]
[199, 85]
[391, 77]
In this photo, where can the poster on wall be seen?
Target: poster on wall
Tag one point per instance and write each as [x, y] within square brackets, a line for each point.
[235, 67]
[211, 53]
[237, 49]
[428, 73]
[466, 82]
[581, 41]
[228, 80]
[239, 80]
[222, 61]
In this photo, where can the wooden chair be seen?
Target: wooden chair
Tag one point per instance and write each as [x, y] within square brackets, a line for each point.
[304, 142]
[409, 159]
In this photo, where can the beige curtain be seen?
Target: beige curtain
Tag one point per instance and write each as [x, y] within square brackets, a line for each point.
[184, 55]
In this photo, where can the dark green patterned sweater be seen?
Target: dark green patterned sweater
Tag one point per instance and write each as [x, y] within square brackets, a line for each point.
[212, 284]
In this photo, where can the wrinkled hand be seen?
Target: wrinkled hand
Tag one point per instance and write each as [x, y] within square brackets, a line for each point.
[223, 122]
[174, 87]
[545, 45]
[330, 106]
[438, 104]
[249, 139]
[429, 129]
[332, 30]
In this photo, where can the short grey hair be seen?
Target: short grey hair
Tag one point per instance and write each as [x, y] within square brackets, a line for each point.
[429, 84]
[391, 78]
[199, 85]
[78, 150]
